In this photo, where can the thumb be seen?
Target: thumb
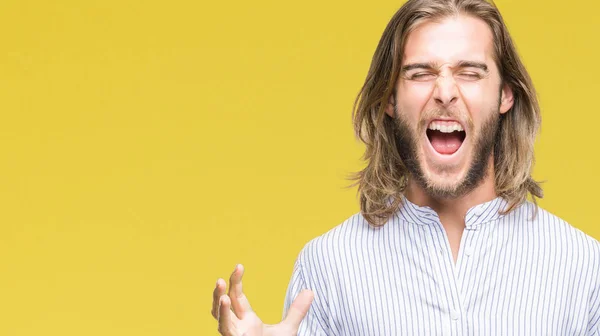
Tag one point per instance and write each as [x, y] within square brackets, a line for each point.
[299, 308]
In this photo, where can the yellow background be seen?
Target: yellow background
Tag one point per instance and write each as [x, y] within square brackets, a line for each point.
[146, 147]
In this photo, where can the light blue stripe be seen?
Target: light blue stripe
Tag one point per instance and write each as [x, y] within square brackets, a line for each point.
[514, 276]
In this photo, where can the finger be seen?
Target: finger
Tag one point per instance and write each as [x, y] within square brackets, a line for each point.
[219, 290]
[239, 301]
[224, 316]
[299, 308]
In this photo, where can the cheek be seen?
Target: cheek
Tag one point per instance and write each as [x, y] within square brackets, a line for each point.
[413, 98]
[474, 97]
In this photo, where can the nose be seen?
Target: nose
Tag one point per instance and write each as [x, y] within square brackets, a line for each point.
[446, 91]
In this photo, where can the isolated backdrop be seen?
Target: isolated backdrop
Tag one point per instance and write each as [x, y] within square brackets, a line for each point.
[146, 147]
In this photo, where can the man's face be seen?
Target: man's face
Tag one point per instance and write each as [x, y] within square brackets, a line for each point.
[448, 103]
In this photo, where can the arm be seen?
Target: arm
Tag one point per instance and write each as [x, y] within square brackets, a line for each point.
[594, 320]
[314, 323]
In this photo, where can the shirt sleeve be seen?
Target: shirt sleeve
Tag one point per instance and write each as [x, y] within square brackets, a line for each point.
[315, 322]
[594, 321]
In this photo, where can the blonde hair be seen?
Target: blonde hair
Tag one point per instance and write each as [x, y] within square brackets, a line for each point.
[382, 181]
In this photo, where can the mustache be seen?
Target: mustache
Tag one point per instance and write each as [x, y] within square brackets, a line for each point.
[439, 113]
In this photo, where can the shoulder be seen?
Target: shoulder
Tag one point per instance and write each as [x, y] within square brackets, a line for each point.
[339, 236]
[324, 251]
[556, 232]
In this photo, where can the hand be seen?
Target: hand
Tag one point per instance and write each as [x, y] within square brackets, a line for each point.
[236, 318]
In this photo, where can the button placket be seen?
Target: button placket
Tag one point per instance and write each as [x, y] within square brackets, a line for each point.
[462, 269]
[441, 263]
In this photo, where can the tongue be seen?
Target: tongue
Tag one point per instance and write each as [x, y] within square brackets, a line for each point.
[445, 143]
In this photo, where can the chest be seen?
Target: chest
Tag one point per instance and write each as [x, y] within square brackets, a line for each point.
[498, 285]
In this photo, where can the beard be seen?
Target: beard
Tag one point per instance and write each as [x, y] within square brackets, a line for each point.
[407, 146]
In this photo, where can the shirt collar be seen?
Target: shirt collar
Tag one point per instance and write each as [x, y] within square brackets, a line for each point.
[477, 215]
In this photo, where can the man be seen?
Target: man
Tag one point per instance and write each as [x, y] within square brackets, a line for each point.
[446, 242]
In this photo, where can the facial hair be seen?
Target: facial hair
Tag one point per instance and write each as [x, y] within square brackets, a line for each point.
[407, 146]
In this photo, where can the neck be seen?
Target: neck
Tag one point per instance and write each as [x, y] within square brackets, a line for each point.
[452, 211]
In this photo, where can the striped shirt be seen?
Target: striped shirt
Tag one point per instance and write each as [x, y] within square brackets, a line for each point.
[516, 274]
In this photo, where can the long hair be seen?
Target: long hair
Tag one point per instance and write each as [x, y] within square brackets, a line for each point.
[383, 180]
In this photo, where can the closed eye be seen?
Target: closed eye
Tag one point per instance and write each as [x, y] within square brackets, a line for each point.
[470, 75]
[422, 76]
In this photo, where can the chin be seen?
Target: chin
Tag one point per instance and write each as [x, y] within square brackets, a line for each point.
[444, 185]
[444, 180]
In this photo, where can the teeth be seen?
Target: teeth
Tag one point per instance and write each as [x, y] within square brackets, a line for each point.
[445, 127]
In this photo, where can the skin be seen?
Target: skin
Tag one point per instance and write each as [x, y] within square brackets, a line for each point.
[445, 79]
[236, 318]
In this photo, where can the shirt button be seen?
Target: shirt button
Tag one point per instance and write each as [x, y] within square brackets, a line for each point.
[454, 315]
[468, 251]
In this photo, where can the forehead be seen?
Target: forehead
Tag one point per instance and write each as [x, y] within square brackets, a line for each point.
[450, 40]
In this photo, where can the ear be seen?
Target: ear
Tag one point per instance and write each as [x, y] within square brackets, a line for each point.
[507, 99]
[389, 108]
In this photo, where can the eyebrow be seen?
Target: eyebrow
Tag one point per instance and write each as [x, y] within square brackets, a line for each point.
[432, 65]
[471, 64]
[427, 66]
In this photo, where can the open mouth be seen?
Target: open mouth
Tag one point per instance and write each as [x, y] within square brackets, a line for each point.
[446, 136]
